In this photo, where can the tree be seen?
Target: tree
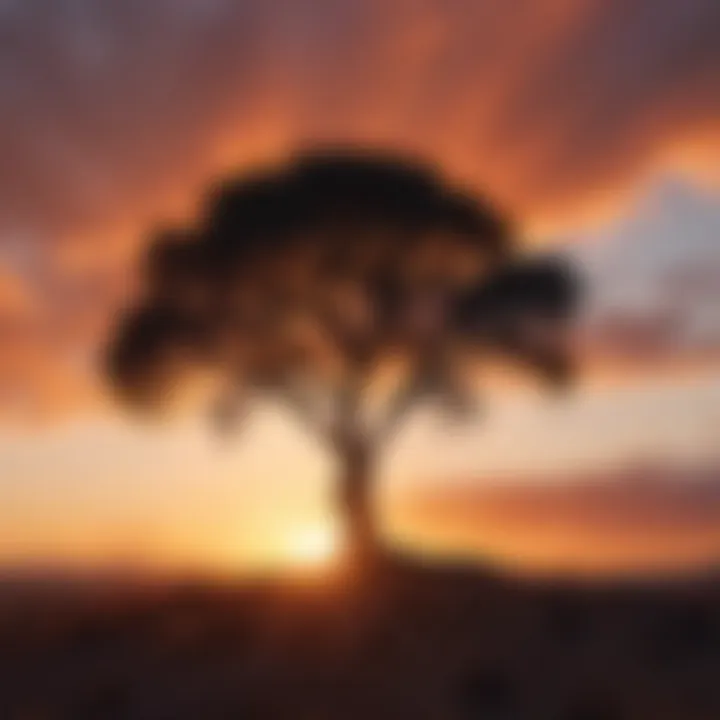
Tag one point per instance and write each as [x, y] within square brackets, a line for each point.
[350, 287]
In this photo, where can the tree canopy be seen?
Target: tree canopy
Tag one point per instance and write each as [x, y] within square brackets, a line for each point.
[306, 280]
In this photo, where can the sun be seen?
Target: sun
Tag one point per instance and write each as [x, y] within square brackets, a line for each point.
[314, 546]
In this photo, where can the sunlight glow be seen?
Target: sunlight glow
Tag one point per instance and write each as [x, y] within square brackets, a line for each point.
[314, 546]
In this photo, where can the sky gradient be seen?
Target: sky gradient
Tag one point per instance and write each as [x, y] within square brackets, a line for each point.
[596, 124]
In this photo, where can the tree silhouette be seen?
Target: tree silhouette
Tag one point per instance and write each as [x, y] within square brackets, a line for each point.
[350, 286]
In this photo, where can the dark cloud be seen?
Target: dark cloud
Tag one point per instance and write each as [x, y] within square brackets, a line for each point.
[108, 104]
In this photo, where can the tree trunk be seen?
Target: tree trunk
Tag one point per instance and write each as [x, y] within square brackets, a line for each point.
[355, 500]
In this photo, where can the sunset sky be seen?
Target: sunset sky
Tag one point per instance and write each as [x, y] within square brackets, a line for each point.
[595, 123]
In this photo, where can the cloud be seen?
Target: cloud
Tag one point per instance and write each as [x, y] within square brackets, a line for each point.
[631, 518]
[655, 282]
[16, 299]
[108, 105]
[115, 114]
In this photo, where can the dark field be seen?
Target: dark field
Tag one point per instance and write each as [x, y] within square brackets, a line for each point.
[401, 643]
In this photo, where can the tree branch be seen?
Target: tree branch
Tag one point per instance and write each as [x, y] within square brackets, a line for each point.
[306, 411]
[397, 409]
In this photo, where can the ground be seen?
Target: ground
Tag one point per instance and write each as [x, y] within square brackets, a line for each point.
[402, 641]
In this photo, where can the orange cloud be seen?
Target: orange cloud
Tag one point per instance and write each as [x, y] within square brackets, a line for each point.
[117, 114]
[640, 518]
[116, 107]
